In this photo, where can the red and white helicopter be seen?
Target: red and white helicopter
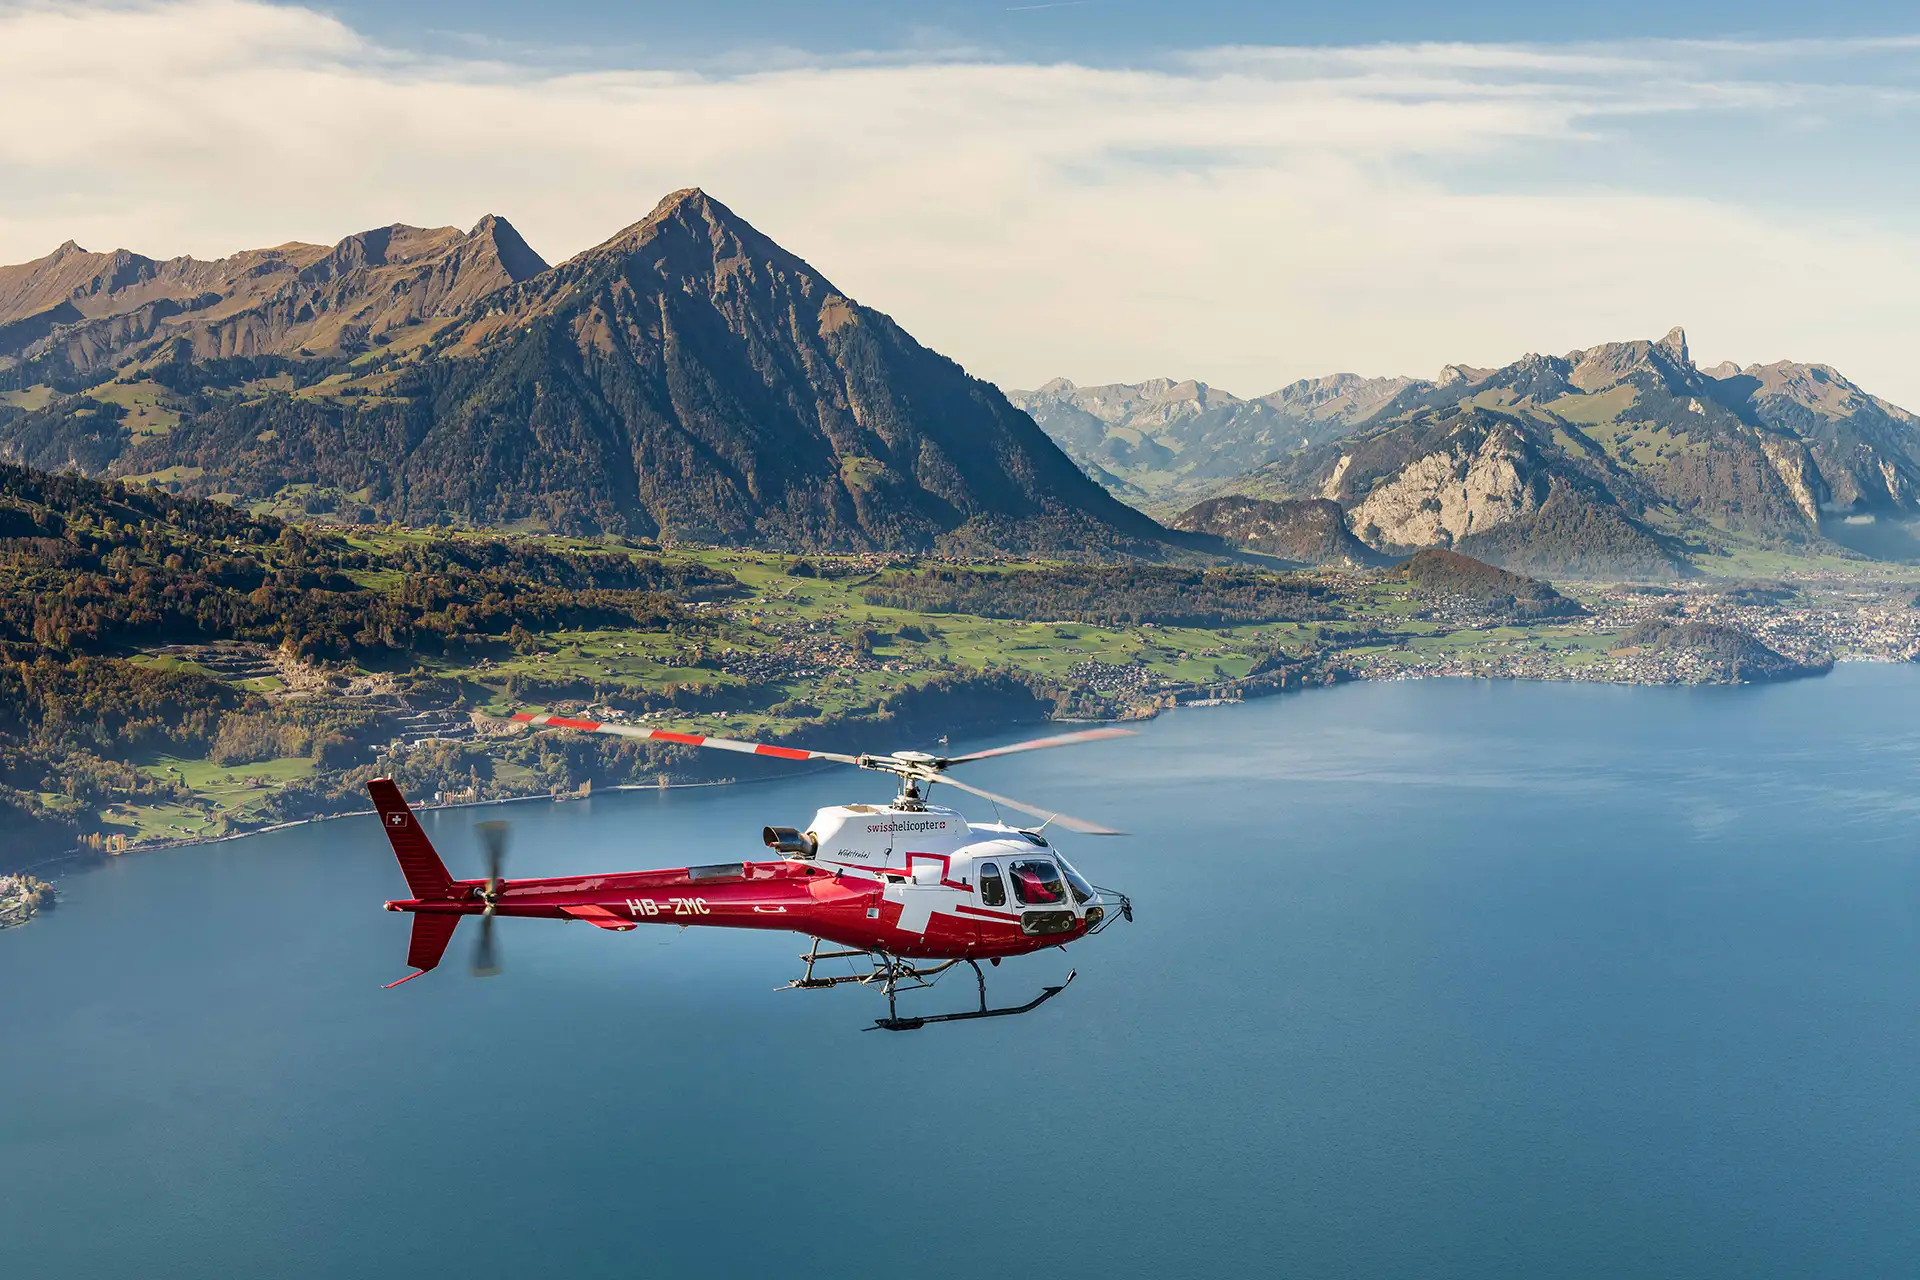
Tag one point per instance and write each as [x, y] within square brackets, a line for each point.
[906, 889]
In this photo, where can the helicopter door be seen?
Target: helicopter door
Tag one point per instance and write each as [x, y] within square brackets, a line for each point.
[990, 893]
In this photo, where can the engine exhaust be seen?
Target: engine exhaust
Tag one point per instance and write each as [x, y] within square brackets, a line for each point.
[787, 840]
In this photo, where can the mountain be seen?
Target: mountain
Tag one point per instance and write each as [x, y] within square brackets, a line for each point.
[689, 378]
[1310, 531]
[77, 311]
[1618, 460]
[1160, 441]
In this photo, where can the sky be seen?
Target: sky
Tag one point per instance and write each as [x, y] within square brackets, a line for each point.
[1107, 191]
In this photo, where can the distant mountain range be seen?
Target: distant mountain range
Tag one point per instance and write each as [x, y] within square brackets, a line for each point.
[1621, 459]
[1161, 441]
[689, 378]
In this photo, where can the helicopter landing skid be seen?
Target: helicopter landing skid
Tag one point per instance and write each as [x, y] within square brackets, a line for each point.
[892, 975]
[893, 1022]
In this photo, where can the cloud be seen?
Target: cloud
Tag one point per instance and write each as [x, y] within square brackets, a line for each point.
[1243, 216]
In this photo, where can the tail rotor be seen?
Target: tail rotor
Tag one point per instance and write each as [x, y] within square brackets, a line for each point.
[493, 841]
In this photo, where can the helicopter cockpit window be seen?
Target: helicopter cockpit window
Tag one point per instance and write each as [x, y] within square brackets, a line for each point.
[1082, 891]
[1037, 883]
[993, 890]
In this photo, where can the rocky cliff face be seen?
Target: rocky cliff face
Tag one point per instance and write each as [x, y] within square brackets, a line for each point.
[1864, 450]
[1477, 477]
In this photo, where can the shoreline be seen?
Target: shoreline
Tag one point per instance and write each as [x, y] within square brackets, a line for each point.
[1148, 713]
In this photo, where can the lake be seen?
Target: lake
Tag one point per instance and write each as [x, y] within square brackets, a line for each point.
[1437, 979]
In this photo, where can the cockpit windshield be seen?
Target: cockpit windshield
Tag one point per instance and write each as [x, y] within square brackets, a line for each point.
[1082, 890]
[1037, 883]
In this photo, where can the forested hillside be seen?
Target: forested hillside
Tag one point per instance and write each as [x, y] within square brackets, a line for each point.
[95, 577]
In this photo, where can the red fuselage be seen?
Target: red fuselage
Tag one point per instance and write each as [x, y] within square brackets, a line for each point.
[851, 910]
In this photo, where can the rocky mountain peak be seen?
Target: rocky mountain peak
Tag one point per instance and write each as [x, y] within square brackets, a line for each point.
[1597, 368]
[689, 196]
[1458, 374]
[517, 258]
[687, 209]
[692, 238]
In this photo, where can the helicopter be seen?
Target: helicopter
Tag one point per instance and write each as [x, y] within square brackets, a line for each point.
[902, 892]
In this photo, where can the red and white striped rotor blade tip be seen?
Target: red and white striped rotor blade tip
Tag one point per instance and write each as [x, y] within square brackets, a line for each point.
[1038, 744]
[683, 739]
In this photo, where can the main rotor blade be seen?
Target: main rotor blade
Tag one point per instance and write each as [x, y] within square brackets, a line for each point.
[1037, 744]
[684, 739]
[1071, 823]
[486, 962]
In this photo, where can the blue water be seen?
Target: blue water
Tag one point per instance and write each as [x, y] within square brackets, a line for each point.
[1444, 979]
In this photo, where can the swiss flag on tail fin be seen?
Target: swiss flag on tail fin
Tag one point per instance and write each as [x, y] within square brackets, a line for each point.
[426, 875]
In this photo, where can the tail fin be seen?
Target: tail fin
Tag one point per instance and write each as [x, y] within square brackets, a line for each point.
[426, 875]
[432, 931]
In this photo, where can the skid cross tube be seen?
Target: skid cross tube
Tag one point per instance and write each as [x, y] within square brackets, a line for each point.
[891, 971]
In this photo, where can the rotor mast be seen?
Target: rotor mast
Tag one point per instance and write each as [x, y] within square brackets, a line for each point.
[913, 768]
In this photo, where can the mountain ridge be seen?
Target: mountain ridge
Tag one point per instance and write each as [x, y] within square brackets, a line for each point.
[686, 378]
[1621, 458]
[88, 310]
[1163, 440]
